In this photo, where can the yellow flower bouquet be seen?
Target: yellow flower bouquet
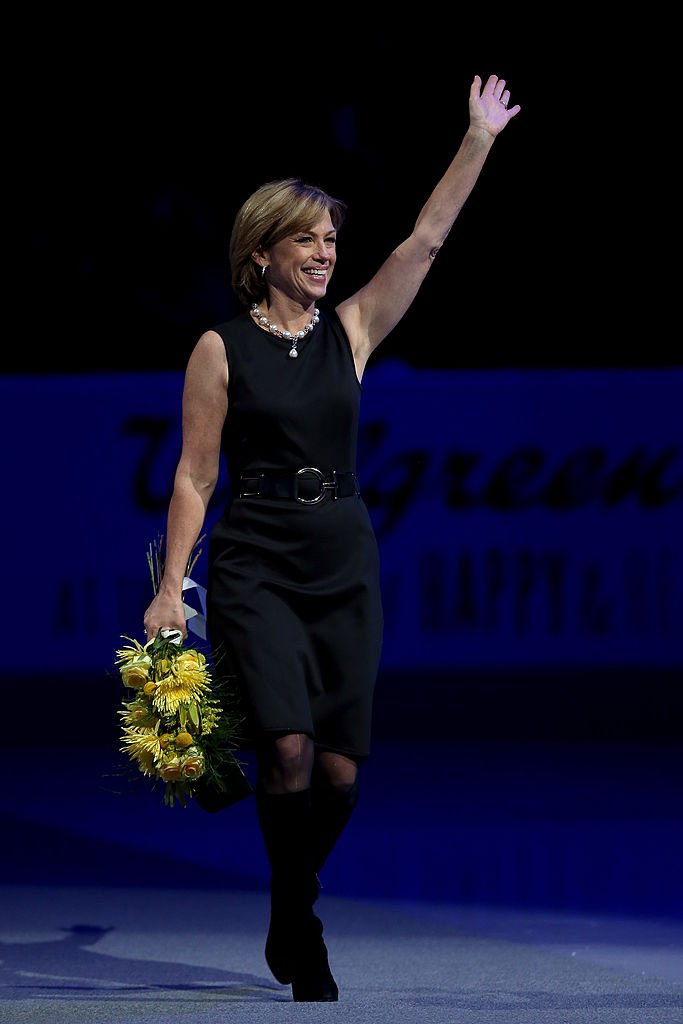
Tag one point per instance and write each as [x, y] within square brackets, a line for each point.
[180, 727]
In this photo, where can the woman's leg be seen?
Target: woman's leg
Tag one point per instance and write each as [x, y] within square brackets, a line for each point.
[295, 950]
[285, 763]
[334, 793]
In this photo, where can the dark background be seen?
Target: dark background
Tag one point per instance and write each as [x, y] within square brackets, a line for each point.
[134, 140]
[131, 140]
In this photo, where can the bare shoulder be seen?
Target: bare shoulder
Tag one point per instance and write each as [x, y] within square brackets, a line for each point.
[205, 398]
[205, 389]
[208, 361]
[209, 348]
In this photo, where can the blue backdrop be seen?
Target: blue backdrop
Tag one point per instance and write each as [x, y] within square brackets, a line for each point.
[525, 518]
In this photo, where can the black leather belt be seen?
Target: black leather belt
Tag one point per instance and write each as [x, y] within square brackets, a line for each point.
[307, 485]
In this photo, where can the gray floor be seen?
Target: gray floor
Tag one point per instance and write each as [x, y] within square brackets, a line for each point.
[141, 955]
[476, 883]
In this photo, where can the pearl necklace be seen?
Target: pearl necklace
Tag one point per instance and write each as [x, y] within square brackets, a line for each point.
[285, 335]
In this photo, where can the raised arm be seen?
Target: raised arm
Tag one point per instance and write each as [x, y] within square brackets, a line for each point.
[205, 405]
[370, 314]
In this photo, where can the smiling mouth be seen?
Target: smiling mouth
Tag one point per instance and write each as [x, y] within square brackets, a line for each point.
[310, 272]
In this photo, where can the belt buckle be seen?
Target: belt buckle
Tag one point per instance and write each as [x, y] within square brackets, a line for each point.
[252, 494]
[322, 483]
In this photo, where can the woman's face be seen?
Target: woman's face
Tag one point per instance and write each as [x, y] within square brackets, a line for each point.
[301, 265]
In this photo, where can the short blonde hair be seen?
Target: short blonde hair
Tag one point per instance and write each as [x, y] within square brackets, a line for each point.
[275, 210]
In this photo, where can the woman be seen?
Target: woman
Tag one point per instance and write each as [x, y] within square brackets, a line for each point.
[293, 600]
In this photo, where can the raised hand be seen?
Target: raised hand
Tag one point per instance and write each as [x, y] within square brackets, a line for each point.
[489, 107]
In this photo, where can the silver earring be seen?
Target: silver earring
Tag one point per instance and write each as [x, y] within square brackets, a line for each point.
[263, 271]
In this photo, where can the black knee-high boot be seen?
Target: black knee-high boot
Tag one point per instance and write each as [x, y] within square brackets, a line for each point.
[295, 949]
[332, 807]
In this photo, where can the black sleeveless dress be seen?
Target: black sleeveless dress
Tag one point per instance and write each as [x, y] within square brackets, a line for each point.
[294, 609]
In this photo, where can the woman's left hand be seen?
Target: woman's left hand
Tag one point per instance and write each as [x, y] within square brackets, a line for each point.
[489, 107]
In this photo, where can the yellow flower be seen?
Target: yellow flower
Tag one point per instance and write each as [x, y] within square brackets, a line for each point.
[139, 715]
[193, 766]
[192, 661]
[171, 771]
[172, 692]
[135, 674]
[184, 739]
[149, 689]
[131, 652]
[143, 747]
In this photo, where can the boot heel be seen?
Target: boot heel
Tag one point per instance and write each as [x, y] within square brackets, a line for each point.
[312, 980]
